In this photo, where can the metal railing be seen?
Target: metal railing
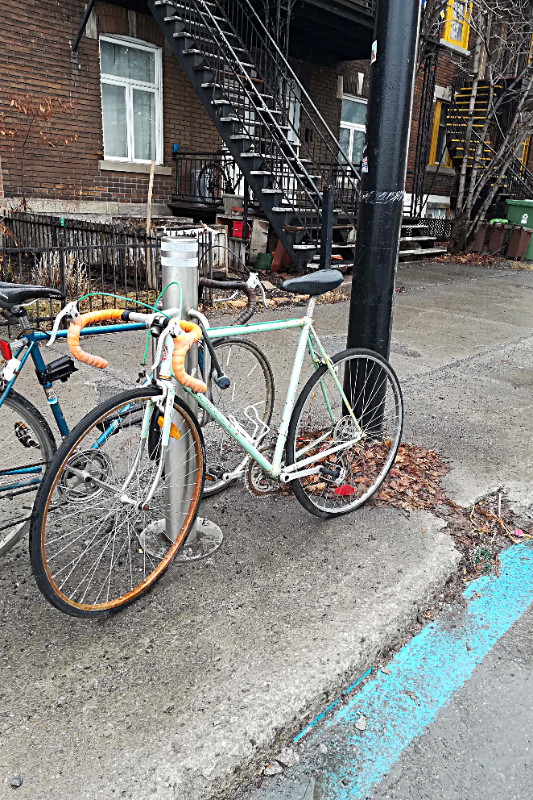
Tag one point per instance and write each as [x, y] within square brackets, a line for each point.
[252, 76]
[204, 178]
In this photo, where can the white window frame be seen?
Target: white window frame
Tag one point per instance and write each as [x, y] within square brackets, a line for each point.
[353, 126]
[155, 88]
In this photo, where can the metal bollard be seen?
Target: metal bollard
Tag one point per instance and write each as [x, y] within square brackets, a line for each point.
[179, 262]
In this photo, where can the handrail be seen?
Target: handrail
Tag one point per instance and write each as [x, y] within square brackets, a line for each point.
[519, 173]
[287, 65]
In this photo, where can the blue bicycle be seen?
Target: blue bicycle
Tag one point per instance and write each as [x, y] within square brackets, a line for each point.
[27, 443]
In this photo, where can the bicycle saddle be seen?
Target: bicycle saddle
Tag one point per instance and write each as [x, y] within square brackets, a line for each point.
[13, 294]
[320, 282]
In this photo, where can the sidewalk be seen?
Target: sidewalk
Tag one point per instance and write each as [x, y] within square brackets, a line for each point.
[183, 695]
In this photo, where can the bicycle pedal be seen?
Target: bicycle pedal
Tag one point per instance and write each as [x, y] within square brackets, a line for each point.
[330, 473]
[214, 473]
[24, 435]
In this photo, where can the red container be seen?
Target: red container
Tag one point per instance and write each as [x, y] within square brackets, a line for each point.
[236, 230]
[478, 244]
[519, 242]
[498, 237]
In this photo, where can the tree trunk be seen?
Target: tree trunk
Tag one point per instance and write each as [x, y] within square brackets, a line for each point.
[459, 235]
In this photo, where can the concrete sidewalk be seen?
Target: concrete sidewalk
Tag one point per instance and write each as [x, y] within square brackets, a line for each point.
[182, 695]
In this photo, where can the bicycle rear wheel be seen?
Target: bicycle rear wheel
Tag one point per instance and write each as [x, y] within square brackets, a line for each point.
[96, 542]
[342, 481]
[249, 398]
[27, 447]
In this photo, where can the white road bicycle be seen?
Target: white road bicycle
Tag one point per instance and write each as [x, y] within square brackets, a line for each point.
[122, 492]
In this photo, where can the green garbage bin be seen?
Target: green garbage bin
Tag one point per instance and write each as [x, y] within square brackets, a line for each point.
[521, 213]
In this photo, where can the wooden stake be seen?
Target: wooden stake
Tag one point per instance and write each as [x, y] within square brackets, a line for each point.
[151, 277]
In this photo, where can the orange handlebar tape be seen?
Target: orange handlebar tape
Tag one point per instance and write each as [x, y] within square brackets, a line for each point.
[74, 330]
[191, 334]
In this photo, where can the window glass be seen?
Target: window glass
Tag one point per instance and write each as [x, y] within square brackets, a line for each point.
[114, 121]
[344, 139]
[144, 125]
[353, 111]
[123, 61]
[353, 128]
[358, 143]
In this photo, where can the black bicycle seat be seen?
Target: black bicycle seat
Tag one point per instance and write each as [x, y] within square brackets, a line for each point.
[320, 282]
[13, 294]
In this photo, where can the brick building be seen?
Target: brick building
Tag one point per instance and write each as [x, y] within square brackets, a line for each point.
[134, 103]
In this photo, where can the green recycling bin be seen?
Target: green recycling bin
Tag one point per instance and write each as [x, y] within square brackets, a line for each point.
[520, 212]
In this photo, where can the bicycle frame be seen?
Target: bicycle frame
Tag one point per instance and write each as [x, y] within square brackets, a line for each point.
[27, 346]
[308, 339]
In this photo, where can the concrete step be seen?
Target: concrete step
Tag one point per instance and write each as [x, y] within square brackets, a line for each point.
[422, 252]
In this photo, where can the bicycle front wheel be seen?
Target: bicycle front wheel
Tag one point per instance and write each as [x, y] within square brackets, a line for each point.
[347, 461]
[27, 447]
[98, 538]
[249, 398]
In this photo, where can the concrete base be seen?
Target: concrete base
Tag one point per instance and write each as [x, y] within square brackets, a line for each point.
[181, 696]
[202, 542]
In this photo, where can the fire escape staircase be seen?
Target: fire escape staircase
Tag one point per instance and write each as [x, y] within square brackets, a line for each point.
[266, 119]
[518, 180]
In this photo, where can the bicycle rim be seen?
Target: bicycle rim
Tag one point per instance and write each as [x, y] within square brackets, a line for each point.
[27, 446]
[94, 547]
[344, 480]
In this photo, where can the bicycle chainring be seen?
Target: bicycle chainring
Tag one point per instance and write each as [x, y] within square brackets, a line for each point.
[73, 487]
[258, 482]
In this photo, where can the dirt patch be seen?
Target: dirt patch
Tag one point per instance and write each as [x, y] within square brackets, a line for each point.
[476, 259]
[480, 532]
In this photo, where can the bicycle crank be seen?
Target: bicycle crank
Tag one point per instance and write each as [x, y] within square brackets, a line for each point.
[258, 482]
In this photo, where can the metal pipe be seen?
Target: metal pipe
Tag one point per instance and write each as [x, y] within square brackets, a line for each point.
[326, 233]
[84, 21]
[179, 263]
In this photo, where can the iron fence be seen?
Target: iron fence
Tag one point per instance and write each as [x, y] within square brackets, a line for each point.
[105, 261]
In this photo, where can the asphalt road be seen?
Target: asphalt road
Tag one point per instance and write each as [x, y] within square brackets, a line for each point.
[478, 746]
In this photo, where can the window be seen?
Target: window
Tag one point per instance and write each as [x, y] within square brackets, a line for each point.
[456, 26]
[353, 127]
[437, 212]
[438, 154]
[131, 100]
[523, 152]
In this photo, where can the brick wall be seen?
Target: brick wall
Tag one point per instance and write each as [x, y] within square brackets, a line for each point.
[35, 41]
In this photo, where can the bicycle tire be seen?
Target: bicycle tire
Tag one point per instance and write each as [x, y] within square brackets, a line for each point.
[119, 547]
[353, 475]
[211, 182]
[25, 429]
[250, 385]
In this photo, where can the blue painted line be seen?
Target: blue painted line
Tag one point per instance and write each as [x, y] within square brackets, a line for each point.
[422, 678]
[332, 705]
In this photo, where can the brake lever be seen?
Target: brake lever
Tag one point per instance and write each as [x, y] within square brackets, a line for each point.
[70, 310]
[254, 283]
